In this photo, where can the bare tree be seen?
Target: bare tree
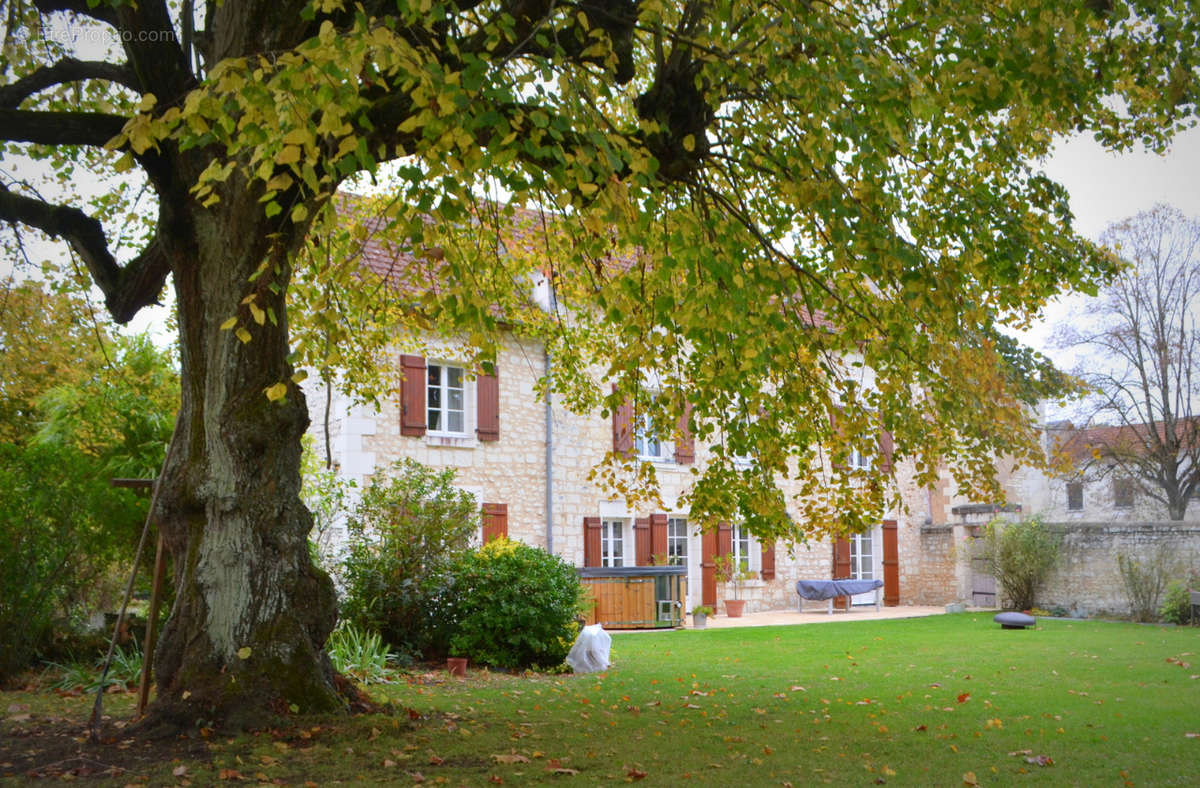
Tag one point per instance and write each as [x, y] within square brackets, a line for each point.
[1143, 361]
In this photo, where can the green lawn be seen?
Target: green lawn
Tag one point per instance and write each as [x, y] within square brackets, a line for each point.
[933, 701]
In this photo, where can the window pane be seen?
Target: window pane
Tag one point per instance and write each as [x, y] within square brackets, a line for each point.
[454, 377]
[454, 421]
[454, 399]
[435, 420]
[435, 375]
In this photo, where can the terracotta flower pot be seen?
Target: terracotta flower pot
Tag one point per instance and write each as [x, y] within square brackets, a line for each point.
[735, 607]
[457, 666]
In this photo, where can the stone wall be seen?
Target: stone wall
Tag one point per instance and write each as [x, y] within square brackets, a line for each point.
[1086, 580]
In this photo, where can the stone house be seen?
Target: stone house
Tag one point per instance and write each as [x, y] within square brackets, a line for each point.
[527, 460]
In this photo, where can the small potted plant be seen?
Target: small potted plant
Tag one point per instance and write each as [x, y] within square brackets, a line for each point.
[733, 573]
[700, 614]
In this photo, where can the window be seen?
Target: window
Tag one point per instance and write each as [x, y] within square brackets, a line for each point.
[677, 539]
[859, 460]
[740, 545]
[1123, 492]
[612, 543]
[1074, 496]
[446, 400]
[647, 443]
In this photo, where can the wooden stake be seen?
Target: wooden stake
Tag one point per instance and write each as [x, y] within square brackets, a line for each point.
[160, 571]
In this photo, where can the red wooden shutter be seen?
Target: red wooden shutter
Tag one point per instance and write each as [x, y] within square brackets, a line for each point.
[622, 427]
[641, 541]
[708, 567]
[412, 395]
[886, 448]
[724, 539]
[841, 567]
[891, 564]
[768, 561]
[495, 521]
[658, 535]
[591, 541]
[487, 407]
[685, 446]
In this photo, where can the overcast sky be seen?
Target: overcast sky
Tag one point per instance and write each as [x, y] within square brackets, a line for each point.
[1106, 188]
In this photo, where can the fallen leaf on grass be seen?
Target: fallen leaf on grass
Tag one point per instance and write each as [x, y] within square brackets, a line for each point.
[964, 697]
[179, 771]
[635, 774]
[970, 779]
[496, 779]
[1040, 760]
[510, 758]
[230, 774]
[1192, 735]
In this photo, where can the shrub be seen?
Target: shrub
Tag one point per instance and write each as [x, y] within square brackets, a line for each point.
[515, 606]
[1144, 581]
[405, 534]
[61, 528]
[1020, 555]
[1177, 604]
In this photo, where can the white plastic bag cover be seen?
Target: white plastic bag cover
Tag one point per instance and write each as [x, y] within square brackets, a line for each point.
[590, 652]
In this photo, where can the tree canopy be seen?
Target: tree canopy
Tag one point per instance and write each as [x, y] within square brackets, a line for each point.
[806, 219]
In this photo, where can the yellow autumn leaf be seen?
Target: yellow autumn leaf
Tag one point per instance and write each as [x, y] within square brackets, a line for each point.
[243, 335]
[259, 316]
[228, 324]
[289, 155]
[276, 392]
[244, 652]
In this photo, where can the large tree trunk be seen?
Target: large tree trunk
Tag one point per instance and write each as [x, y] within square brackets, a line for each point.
[244, 641]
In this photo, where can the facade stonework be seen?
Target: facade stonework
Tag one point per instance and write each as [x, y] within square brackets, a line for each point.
[517, 470]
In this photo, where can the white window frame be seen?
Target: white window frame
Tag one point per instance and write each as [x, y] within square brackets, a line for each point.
[643, 437]
[741, 547]
[612, 541]
[860, 460]
[678, 534]
[468, 401]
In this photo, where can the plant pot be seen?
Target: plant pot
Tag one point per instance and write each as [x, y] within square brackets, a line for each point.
[699, 620]
[735, 607]
[457, 666]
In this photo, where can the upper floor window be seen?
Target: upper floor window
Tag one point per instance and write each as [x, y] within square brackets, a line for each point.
[860, 460]
[612, 543]
[1074, 496]
[1123, 492]
[677, 540]
[446, 399]
[647, 443]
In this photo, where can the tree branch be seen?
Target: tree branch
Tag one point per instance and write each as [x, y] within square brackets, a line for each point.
[59, 128]
[126, 290]
[101, 12]
[66, 70]
[154, 53]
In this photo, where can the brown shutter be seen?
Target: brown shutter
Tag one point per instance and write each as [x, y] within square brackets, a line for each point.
[641, 541]
[891, 564]
[495, 521]
[658, 534]
[487, 407]
[622, 427]
[591, 541]
[685, 446]
[412, 395]
[724, 539]
[768, 561]
[886, 448]
[708, 567]
[841, 567]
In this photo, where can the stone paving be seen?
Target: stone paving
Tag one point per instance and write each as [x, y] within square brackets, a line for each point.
[812, 616]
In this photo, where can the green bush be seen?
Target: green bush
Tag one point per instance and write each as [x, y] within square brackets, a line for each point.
[405, 533]
[1146, 580]
[515, 606]
[1020, 555]
[1177, 604]
[61, 528]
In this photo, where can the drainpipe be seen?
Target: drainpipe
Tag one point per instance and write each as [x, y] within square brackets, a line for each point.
[549, 454]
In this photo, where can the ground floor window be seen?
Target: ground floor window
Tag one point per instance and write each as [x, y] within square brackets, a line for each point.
[612, 543]
[677, 541]
[740, 546]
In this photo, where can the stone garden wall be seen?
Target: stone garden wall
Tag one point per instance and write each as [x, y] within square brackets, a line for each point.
[1086, 580]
